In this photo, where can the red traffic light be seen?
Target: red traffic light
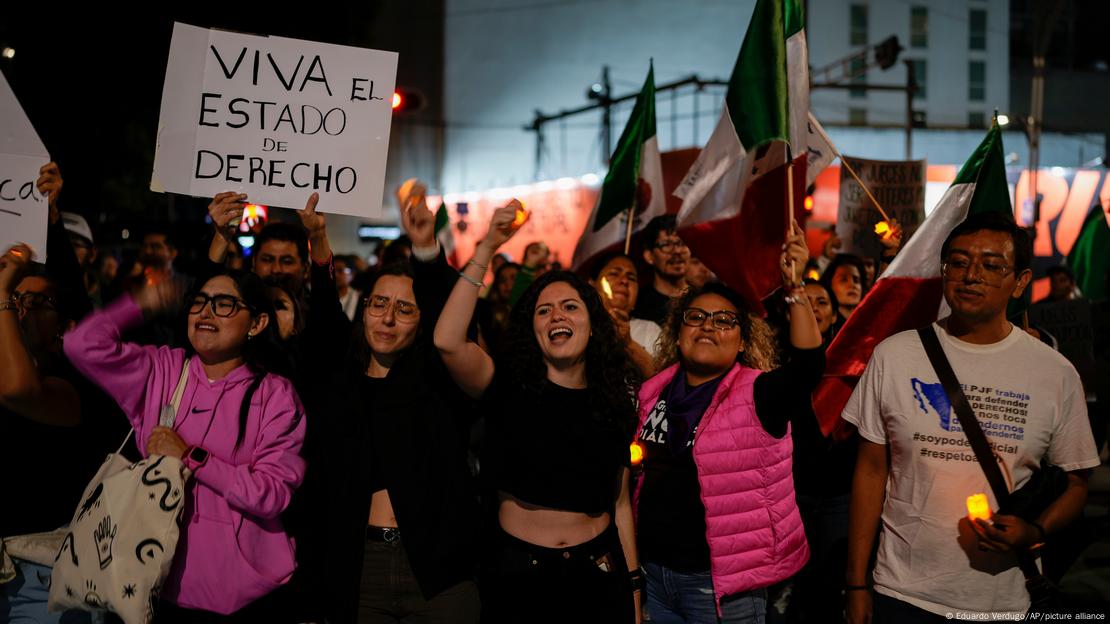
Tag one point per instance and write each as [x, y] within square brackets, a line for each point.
[407, 100]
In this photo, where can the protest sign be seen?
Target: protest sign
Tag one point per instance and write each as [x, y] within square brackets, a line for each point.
[275, 118]
[1070, 323]
[899, 187]
[23, 212]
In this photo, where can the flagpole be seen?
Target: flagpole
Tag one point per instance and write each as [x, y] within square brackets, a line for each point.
[628, 234]
[790, 209]
[862, 185]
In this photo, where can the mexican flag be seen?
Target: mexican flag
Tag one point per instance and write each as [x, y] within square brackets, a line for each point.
[908, 294]
[1090, 255]
[734, 212]
[635, 180]
[444, 236]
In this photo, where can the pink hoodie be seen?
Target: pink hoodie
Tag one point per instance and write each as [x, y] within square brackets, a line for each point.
[233, 547]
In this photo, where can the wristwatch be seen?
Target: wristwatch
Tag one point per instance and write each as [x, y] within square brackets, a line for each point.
[196, 457]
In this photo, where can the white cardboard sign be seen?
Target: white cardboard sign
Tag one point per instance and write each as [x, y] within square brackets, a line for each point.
[275, 118]
[23, 212]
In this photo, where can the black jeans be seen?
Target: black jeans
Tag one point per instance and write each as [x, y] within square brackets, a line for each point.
[585, 583]
[389, 593]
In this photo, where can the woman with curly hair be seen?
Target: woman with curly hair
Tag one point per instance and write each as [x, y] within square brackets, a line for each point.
[559, 416]
[716, 518]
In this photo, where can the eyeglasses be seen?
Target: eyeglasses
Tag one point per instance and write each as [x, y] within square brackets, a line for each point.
[403, 311]
[29, 301]
[990, 272]
[223, 306]
[670, 245]
[722, 319]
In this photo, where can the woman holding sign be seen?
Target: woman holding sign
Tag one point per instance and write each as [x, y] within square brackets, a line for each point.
[559, 414]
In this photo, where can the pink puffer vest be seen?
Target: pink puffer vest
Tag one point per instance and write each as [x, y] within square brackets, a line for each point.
[753, 526]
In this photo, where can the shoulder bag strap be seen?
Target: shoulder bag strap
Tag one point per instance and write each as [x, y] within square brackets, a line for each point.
[169, 412]
[973, 431]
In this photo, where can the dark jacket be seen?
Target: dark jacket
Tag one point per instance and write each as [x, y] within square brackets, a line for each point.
[415, 433]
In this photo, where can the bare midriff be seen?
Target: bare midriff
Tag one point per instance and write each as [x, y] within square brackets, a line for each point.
[381, 510]
[550, 528]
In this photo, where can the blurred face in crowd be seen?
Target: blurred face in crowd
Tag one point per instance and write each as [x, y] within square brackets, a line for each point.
[285, 312]
[846, 285]
[109, 268]
[832, 245]
[343, 275]
[668, 256]
[278, 257]
[505, 279]
[38, 315]
[822, 307]
[869, 270]
[157, 252]
[623, 281]
[710, 348]
[979, 277]
[561, 323]
[83, 249]
[390, 315]
[218, 328]
[697, 274]
[1060, 287]
[496, 262]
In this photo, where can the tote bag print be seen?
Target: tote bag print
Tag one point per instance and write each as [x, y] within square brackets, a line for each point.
[122, 539]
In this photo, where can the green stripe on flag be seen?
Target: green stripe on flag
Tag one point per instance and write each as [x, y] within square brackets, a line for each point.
[1090, 256]
[986, 169]
[442, 221]
[618, 193]
[795, 18]
[757, 90]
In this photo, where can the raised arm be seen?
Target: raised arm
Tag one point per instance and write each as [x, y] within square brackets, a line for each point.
[61, 262]
[225, 210]
[328, 329]
[470, 366]
[48, 400]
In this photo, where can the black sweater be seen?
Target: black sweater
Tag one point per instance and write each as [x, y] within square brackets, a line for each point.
[412, 440]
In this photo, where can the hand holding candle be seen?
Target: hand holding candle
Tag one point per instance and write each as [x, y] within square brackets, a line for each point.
[978, 507]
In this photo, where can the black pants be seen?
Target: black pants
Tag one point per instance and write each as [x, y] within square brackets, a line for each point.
[389, 593]
[585, 583]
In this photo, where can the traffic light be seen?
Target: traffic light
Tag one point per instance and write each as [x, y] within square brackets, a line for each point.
[887, 51]
[407, 100]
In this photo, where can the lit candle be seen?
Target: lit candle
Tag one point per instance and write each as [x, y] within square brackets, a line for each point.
[978, 507]
[521, 214]
[606, 288]
[637, 453]
[882, 228]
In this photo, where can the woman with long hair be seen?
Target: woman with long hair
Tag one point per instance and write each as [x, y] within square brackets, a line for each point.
[559, 413]
[716, 518]
[239, 429]
[399, 514]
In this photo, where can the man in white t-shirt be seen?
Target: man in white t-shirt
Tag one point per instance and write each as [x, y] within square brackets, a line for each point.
[916, 469]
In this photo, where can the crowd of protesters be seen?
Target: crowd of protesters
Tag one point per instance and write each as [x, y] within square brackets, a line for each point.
[508, 442]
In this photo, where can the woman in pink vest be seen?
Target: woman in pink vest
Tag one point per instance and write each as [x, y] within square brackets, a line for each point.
[716, 518]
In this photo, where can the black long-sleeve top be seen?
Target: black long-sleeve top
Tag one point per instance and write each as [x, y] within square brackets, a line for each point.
[407, 434]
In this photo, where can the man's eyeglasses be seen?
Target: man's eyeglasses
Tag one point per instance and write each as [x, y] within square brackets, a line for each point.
[30, 301]
[722, 319]
[670, 245]
[990, 272]
[222, 305]
[403, 311]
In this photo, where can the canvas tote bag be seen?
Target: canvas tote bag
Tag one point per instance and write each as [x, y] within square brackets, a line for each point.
[121, 541]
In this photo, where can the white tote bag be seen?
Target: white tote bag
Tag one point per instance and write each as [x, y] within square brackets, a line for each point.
[122, 538]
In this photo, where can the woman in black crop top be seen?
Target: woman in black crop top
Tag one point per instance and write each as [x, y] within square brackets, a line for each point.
[559, 418]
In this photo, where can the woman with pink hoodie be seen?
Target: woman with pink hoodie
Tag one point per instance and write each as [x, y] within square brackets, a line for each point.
[239, 429]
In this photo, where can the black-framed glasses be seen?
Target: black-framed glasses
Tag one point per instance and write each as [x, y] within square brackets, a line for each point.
[30, 301]
[722, 319]
[991, 272]
[222, 305]
[670, 245]
[403, 311]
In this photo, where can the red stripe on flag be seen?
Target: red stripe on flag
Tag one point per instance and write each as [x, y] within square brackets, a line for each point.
[894, 305]
[744, 250]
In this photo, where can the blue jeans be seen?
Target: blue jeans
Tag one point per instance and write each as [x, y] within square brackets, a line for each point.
[23, 600]
[687, 598]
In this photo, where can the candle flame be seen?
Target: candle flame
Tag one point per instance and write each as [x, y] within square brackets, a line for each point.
[978, 507]
[606, 288]
[637, 453]
[521, 215]
[882, 228]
